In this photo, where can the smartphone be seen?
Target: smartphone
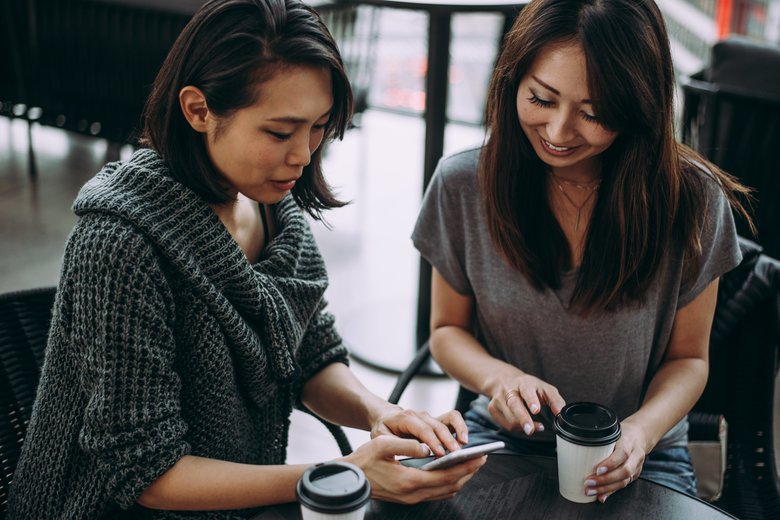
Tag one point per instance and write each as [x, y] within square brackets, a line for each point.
[454, 457]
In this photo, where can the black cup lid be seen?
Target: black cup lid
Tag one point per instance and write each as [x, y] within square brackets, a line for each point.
[588, 424]
[333, 487]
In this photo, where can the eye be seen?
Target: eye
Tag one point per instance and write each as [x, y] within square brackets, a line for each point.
[320, 128]
[279, 135]
[536, 100]
[590, 118]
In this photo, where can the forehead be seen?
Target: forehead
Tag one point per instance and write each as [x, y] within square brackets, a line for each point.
[294, 91]
[563, 67]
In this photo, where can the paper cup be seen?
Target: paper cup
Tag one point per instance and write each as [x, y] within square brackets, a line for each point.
[333, 491]
[586, 434]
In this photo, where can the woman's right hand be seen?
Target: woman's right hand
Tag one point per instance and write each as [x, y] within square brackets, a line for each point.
[515, 400]
[393, 482]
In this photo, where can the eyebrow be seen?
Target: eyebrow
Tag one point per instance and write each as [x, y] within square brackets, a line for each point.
[297, 120]
[556, 92]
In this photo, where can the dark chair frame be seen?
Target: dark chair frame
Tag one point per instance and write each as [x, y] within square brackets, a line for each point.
[25, 318]
[744, 357]
[735, 123]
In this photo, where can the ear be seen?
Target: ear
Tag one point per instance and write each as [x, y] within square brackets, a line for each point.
[193, 106]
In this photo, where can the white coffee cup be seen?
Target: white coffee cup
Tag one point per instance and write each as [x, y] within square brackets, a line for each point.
[333, 491]
[586, 434]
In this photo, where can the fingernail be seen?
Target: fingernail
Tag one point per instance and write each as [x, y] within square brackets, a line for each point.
[590, 492]
[534, 408]
[590, 483]
[527, 429]
[601, 470]
[427, 448]
[540, 428]
[603, 499]
[441, 448]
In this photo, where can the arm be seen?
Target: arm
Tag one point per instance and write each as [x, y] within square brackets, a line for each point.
[336, 394]
[675, 388]
[515, 395]
[197, 483]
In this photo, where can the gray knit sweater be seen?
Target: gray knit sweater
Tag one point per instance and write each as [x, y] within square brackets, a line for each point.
[165, 341]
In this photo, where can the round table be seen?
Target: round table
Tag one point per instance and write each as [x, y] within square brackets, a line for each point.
[514, 486]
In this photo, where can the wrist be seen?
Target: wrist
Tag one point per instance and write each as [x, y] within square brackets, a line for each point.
[381, 410]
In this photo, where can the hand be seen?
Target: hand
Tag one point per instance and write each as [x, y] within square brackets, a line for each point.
[622, 467]
[517, 399]
[436, 432]
[393, 482]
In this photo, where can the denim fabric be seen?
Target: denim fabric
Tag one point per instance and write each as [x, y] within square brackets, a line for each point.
[671, 467]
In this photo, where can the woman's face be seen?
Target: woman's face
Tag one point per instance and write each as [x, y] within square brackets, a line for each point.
[555, 112]
[261, 150]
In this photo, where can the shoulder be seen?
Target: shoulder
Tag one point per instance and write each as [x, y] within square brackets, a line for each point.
[107, 246]
[458, 171]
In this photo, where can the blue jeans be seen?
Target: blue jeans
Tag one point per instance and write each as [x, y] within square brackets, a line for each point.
[671, 467]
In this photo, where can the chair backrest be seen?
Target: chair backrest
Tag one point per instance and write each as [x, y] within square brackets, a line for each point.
[731, 115]
[743, 367]
[93, 62]
[14, 56]
[24, 328]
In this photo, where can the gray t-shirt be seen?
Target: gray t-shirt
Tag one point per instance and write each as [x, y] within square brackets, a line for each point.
[607, 357]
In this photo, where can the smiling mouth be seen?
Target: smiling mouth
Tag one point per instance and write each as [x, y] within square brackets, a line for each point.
[552, 147]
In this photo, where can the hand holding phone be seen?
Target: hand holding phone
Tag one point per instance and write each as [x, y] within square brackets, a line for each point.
[454, 457]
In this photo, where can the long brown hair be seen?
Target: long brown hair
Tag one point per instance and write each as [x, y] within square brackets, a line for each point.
[226, 50]
[650, 194]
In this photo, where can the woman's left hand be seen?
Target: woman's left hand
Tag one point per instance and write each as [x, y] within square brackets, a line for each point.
[622, 467]
[436, 432]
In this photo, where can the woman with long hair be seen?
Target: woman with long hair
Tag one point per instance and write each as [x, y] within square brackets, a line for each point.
[576, 255]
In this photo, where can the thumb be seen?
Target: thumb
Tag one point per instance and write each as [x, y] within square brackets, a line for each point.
[392, 446]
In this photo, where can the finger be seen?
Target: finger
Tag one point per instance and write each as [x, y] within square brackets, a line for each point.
[389, 446]
[617, 459]
[603, 498]
[457, 425]
[518, 412]
[442, 432]
[553, 399]
[421, 426]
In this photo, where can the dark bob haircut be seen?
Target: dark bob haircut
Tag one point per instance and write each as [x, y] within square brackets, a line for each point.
[226, 50]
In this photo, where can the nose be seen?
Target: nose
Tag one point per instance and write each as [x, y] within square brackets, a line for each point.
[561, 127]
[300, 152]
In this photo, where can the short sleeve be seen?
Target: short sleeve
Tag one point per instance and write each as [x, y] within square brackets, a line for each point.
[439, 234]
[720, 251]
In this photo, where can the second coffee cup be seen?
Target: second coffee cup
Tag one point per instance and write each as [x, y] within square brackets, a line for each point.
[333, 491]
[586, 434]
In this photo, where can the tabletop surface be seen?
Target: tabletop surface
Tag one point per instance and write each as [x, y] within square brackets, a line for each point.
[512, 486]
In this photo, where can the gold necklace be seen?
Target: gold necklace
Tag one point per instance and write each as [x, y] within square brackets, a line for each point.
[590, 186]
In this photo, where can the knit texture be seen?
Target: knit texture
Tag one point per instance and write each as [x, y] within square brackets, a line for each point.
[165, 341]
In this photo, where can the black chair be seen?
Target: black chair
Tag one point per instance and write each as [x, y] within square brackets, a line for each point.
[731, 115]
[24, 328]
[743, 366]
[94, 61]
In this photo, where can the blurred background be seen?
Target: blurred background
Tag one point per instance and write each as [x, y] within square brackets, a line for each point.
[47, 153]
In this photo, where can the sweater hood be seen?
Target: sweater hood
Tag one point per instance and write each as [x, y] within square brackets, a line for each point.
[264, 308]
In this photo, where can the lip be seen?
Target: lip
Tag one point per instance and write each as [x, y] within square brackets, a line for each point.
[557, 151]
[286, 185]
